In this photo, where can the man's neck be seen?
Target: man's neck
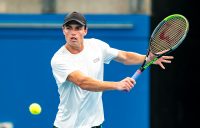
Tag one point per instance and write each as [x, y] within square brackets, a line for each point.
[74, 50]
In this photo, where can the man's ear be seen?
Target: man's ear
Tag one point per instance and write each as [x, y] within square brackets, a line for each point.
[86, 31]
[63, 29]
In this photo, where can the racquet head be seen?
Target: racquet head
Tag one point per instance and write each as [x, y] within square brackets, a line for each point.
[166, 37]
[169, 34]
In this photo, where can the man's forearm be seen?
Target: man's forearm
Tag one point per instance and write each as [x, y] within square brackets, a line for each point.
[90, 84]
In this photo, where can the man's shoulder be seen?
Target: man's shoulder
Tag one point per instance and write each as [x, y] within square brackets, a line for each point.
[94, 41]
[60, 51]
[58, 54]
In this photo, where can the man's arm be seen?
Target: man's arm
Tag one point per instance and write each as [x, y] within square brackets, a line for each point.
[91, 84]
[129, 58]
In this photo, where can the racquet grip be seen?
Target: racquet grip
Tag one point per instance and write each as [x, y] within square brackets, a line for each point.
[136, 74]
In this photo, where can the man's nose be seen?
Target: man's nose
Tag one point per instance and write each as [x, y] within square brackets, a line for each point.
[73, 32]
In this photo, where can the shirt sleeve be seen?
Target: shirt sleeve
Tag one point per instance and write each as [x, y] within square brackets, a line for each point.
[61, 70]
[108, 52]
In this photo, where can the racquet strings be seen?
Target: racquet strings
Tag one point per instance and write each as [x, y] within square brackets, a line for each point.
[168, 35]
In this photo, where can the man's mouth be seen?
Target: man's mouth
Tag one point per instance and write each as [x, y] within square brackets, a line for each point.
[73, 39]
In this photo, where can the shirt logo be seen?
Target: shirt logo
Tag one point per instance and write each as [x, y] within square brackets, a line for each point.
[96, 60]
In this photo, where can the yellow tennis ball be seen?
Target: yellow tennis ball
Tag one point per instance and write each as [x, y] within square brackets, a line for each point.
[35, 109]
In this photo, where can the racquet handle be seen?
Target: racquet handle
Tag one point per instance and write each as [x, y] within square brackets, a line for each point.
[136, 74]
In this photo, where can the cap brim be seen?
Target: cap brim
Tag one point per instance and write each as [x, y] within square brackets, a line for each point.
[81, 23]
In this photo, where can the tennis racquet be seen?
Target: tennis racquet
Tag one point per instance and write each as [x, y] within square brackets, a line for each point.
[166, 37]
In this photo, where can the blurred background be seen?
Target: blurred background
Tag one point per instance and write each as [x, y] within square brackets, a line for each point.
[30, 33]
[84, 6]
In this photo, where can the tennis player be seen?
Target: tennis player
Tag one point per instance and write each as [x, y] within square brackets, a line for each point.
[78, 70]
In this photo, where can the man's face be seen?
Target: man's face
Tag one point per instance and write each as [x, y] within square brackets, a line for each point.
[74, 34]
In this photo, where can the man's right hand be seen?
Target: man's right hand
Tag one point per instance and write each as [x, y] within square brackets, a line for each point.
[126, 84]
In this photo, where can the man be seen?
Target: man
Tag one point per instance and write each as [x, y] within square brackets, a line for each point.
[78, 70]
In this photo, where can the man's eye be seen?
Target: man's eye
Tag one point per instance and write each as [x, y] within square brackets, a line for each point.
[78, 28]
